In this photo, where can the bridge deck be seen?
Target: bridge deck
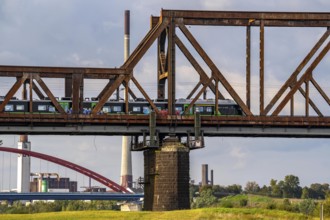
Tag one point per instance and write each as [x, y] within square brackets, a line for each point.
[121, 124]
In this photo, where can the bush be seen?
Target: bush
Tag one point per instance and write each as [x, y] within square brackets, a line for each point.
[307, 207]
[226, 203]
[243, 202]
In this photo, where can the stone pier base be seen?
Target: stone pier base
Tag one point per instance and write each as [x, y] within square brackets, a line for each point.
[166, 174]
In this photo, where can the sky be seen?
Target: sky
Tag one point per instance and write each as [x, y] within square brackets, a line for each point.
[89, 33]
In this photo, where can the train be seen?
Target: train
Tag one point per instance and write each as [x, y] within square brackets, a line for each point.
[138, 106]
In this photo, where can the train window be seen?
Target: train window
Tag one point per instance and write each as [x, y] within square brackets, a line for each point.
[117, 108]
[199, 108]
[136, 108]
[208, 109]
[9, 108]
[106, 109]
[51, 108]
[178, 109]
[42, 107]
[146, 110]
[20, 107]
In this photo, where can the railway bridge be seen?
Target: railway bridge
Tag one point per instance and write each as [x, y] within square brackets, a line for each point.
[166, 139]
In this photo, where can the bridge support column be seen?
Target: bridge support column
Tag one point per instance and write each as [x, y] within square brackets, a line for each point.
[166, 172]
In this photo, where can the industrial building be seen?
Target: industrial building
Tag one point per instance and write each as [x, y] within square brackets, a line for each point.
[51, 184]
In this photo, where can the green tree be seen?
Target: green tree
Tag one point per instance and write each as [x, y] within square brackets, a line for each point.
[305, 193]
[193, 189]
[264, 190]
[235, 188]
[291, 188]
[276, 190]
[252, 187]
[205, 199]
[318, 191]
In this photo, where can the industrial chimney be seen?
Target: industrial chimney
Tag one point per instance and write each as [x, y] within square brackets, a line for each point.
[211, 182]
[126, 177]
[205, 179]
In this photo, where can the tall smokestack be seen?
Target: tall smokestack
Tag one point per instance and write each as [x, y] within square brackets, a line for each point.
[205, 179]
[211, 178]
[126, 177]
[24, 161]
[127, 35]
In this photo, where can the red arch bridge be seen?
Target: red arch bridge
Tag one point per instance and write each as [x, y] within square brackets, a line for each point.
[101, 179]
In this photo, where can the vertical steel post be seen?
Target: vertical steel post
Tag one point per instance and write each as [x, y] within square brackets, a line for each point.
[307, 98]
[292, 99]
[197, 126]
[152, 128]
[171, 68]
[76, 85]
[261, 67]
[216, 110]
[31, 92]
[162, 65]
[248, 66]
[68, 86]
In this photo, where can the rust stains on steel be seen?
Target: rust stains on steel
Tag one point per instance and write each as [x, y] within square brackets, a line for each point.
[60, 72]
[59, 119]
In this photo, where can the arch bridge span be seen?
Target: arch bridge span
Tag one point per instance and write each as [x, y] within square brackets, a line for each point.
[101, 179]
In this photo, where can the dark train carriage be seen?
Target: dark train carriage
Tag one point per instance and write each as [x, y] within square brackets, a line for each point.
[229, 107]
[139, 107]
[114, 107]
[16, 106]
[205, 107]
[43, 106]
[161, 105]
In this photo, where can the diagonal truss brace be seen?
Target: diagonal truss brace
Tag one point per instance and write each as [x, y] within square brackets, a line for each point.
[294, 75]
[216, 72]
[197, 67]
[304, 78]
[19, 82]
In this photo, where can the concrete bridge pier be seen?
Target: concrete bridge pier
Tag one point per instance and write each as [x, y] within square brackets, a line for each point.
[166, 176]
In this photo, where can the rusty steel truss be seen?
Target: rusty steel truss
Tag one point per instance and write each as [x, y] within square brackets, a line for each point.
[163, 31]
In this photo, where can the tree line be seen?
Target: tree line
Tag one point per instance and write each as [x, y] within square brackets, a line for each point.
[289, 188]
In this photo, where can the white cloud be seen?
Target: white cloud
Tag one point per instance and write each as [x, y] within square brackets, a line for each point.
[216, 5]
[75, 60]
[240, 156]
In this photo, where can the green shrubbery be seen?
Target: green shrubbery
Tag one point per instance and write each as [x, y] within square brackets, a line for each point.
[57, 206]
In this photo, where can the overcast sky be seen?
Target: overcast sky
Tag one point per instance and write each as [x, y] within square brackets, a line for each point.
[89, 33]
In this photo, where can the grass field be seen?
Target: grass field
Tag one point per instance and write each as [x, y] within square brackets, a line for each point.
[195, 214]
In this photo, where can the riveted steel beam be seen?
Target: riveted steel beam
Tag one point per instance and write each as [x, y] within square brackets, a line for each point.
[61, 72]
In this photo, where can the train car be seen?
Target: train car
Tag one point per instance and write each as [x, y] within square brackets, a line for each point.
[114, 107]
[207, 107]
[139, 107]
[16, 106]
[43, 106]
[229, 107]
